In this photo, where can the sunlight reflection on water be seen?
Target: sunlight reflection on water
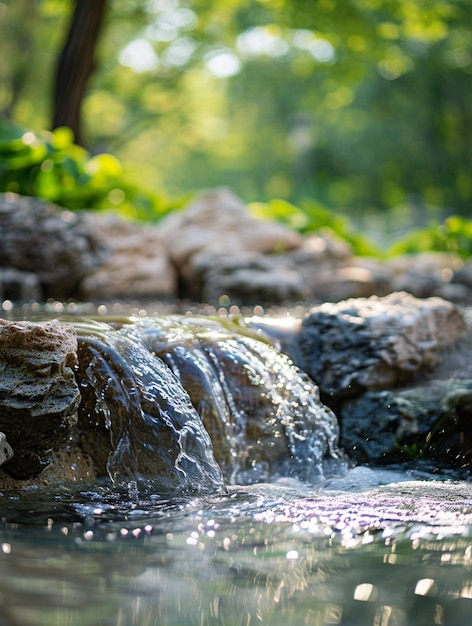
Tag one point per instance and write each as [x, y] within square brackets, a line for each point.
[262, 554]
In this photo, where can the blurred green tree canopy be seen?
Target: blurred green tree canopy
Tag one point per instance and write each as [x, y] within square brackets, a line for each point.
[363, 105]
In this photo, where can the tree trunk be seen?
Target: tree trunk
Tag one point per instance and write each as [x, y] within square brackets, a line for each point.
[76, 64]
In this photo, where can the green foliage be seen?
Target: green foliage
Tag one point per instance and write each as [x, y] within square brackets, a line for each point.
[50, 166]
[454, 234]
[312, 216]
[357, 103]
[384, 85]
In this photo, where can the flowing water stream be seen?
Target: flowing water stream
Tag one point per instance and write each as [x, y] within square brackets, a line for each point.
[280, 534]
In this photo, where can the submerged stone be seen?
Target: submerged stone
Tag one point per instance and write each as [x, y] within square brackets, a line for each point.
[38, 392]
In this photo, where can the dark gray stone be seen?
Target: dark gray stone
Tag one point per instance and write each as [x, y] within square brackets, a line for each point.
[376, 343]
[251, 278]
[21, 286]
[432, 422]
[53, 243]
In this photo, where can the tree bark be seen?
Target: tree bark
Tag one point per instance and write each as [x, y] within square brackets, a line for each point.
[76, 64]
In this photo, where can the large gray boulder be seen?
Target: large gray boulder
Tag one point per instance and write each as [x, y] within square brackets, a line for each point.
[374, 343]
[39, 394]
[251, 278]
[279, 277]
[55, 244]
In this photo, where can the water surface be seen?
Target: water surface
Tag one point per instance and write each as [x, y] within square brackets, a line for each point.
[368, 549]
[392, 555]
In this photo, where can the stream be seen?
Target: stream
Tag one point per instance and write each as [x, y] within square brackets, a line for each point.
[400, 554]
[356, 547]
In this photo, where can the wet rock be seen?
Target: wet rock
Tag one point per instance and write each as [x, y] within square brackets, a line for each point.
[218, 224]
[263, 415]
[138, 265]
[389, 424]
[48, 241]
[374, 343]
[450, 441]
[39, 395]
[432, 422]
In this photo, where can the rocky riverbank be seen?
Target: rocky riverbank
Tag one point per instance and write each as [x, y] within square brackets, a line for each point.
[190, 401]
[210, 250]
[386, 344]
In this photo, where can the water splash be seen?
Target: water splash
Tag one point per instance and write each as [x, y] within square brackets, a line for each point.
[263, 414]
[135, 419]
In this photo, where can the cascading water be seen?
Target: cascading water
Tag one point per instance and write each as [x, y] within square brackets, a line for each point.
[180, 412]
[189, 403]
[263, 415]
[135, 420]
[162, 398]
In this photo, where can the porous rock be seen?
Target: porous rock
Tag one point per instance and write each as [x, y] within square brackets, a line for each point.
[138, 265]
[46, 240]
[39, 395]
[374, 343]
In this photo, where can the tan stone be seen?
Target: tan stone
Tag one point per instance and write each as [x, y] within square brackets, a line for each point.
[138, 265]
[218, 223]
[39, 394]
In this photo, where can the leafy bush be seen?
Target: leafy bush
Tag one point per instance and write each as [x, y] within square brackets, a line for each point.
[452, 235]
[49, 165]
[311, 216]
